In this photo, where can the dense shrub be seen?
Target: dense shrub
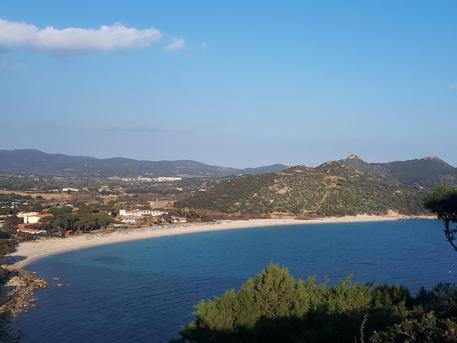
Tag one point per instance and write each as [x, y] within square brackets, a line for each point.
[275, 307]
[427, 329]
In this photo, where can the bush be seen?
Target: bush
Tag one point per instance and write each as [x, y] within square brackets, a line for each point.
[275, 307]
[427, 329]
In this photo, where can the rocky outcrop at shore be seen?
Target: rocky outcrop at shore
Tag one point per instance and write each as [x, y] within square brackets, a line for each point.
[20, 292]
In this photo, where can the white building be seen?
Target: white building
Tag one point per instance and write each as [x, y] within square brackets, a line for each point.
[141, 213]
[69, 189]
[128, 220]
[32, 217]
[167, 179]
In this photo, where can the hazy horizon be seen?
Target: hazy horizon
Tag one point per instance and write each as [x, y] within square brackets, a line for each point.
[232, 166]
[234, 84]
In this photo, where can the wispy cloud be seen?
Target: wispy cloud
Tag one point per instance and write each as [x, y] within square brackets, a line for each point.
[75, 40]
[131, 128]
[203, 45]
[453, 87]
[115, 128]
[176, 44]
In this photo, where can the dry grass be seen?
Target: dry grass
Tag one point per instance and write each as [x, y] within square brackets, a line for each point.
[46, 196]
[161, 204]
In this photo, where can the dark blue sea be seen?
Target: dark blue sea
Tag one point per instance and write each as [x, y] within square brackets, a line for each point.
[143, 291]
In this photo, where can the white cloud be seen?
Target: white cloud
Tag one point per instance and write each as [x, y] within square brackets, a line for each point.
[203, 45]
[73, 39]
[176, 44]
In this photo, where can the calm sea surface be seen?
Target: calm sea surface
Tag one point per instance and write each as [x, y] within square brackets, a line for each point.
[144, 291]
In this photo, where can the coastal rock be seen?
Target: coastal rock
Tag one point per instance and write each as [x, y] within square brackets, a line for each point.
[21, 288]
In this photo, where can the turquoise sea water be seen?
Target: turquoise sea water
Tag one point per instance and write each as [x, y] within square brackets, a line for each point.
[143, 291]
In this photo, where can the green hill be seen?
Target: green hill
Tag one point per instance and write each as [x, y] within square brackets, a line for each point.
[426, 172]
[344, 187]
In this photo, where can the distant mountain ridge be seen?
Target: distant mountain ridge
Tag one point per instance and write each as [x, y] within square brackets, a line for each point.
[427, 172]
[33, 161]
[344, 187]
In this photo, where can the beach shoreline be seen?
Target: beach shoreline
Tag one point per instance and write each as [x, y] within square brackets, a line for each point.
[30, 251]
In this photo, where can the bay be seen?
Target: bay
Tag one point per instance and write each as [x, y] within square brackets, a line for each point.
[144, 291]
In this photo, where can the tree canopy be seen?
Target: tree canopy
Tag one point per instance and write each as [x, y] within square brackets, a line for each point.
[443, 202]
[275, 307]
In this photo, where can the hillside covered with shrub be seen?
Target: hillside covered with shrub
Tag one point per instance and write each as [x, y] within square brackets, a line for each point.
[345, 187]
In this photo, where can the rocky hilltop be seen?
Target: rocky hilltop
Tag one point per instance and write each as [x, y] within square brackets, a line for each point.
[344, 187]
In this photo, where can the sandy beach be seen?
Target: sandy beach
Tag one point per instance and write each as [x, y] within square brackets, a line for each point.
[30, 251]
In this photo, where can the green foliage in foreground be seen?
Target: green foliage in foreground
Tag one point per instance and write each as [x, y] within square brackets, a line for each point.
[275, 307]
[443, 202]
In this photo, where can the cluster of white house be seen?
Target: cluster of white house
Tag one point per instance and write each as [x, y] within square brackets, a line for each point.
[128, 217]
[70, 189]
[32, 217]
[167, 178]
[149, 179]
[132, 216]
[141, 213]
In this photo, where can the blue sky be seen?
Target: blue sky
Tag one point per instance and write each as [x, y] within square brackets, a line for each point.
[230, 82]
